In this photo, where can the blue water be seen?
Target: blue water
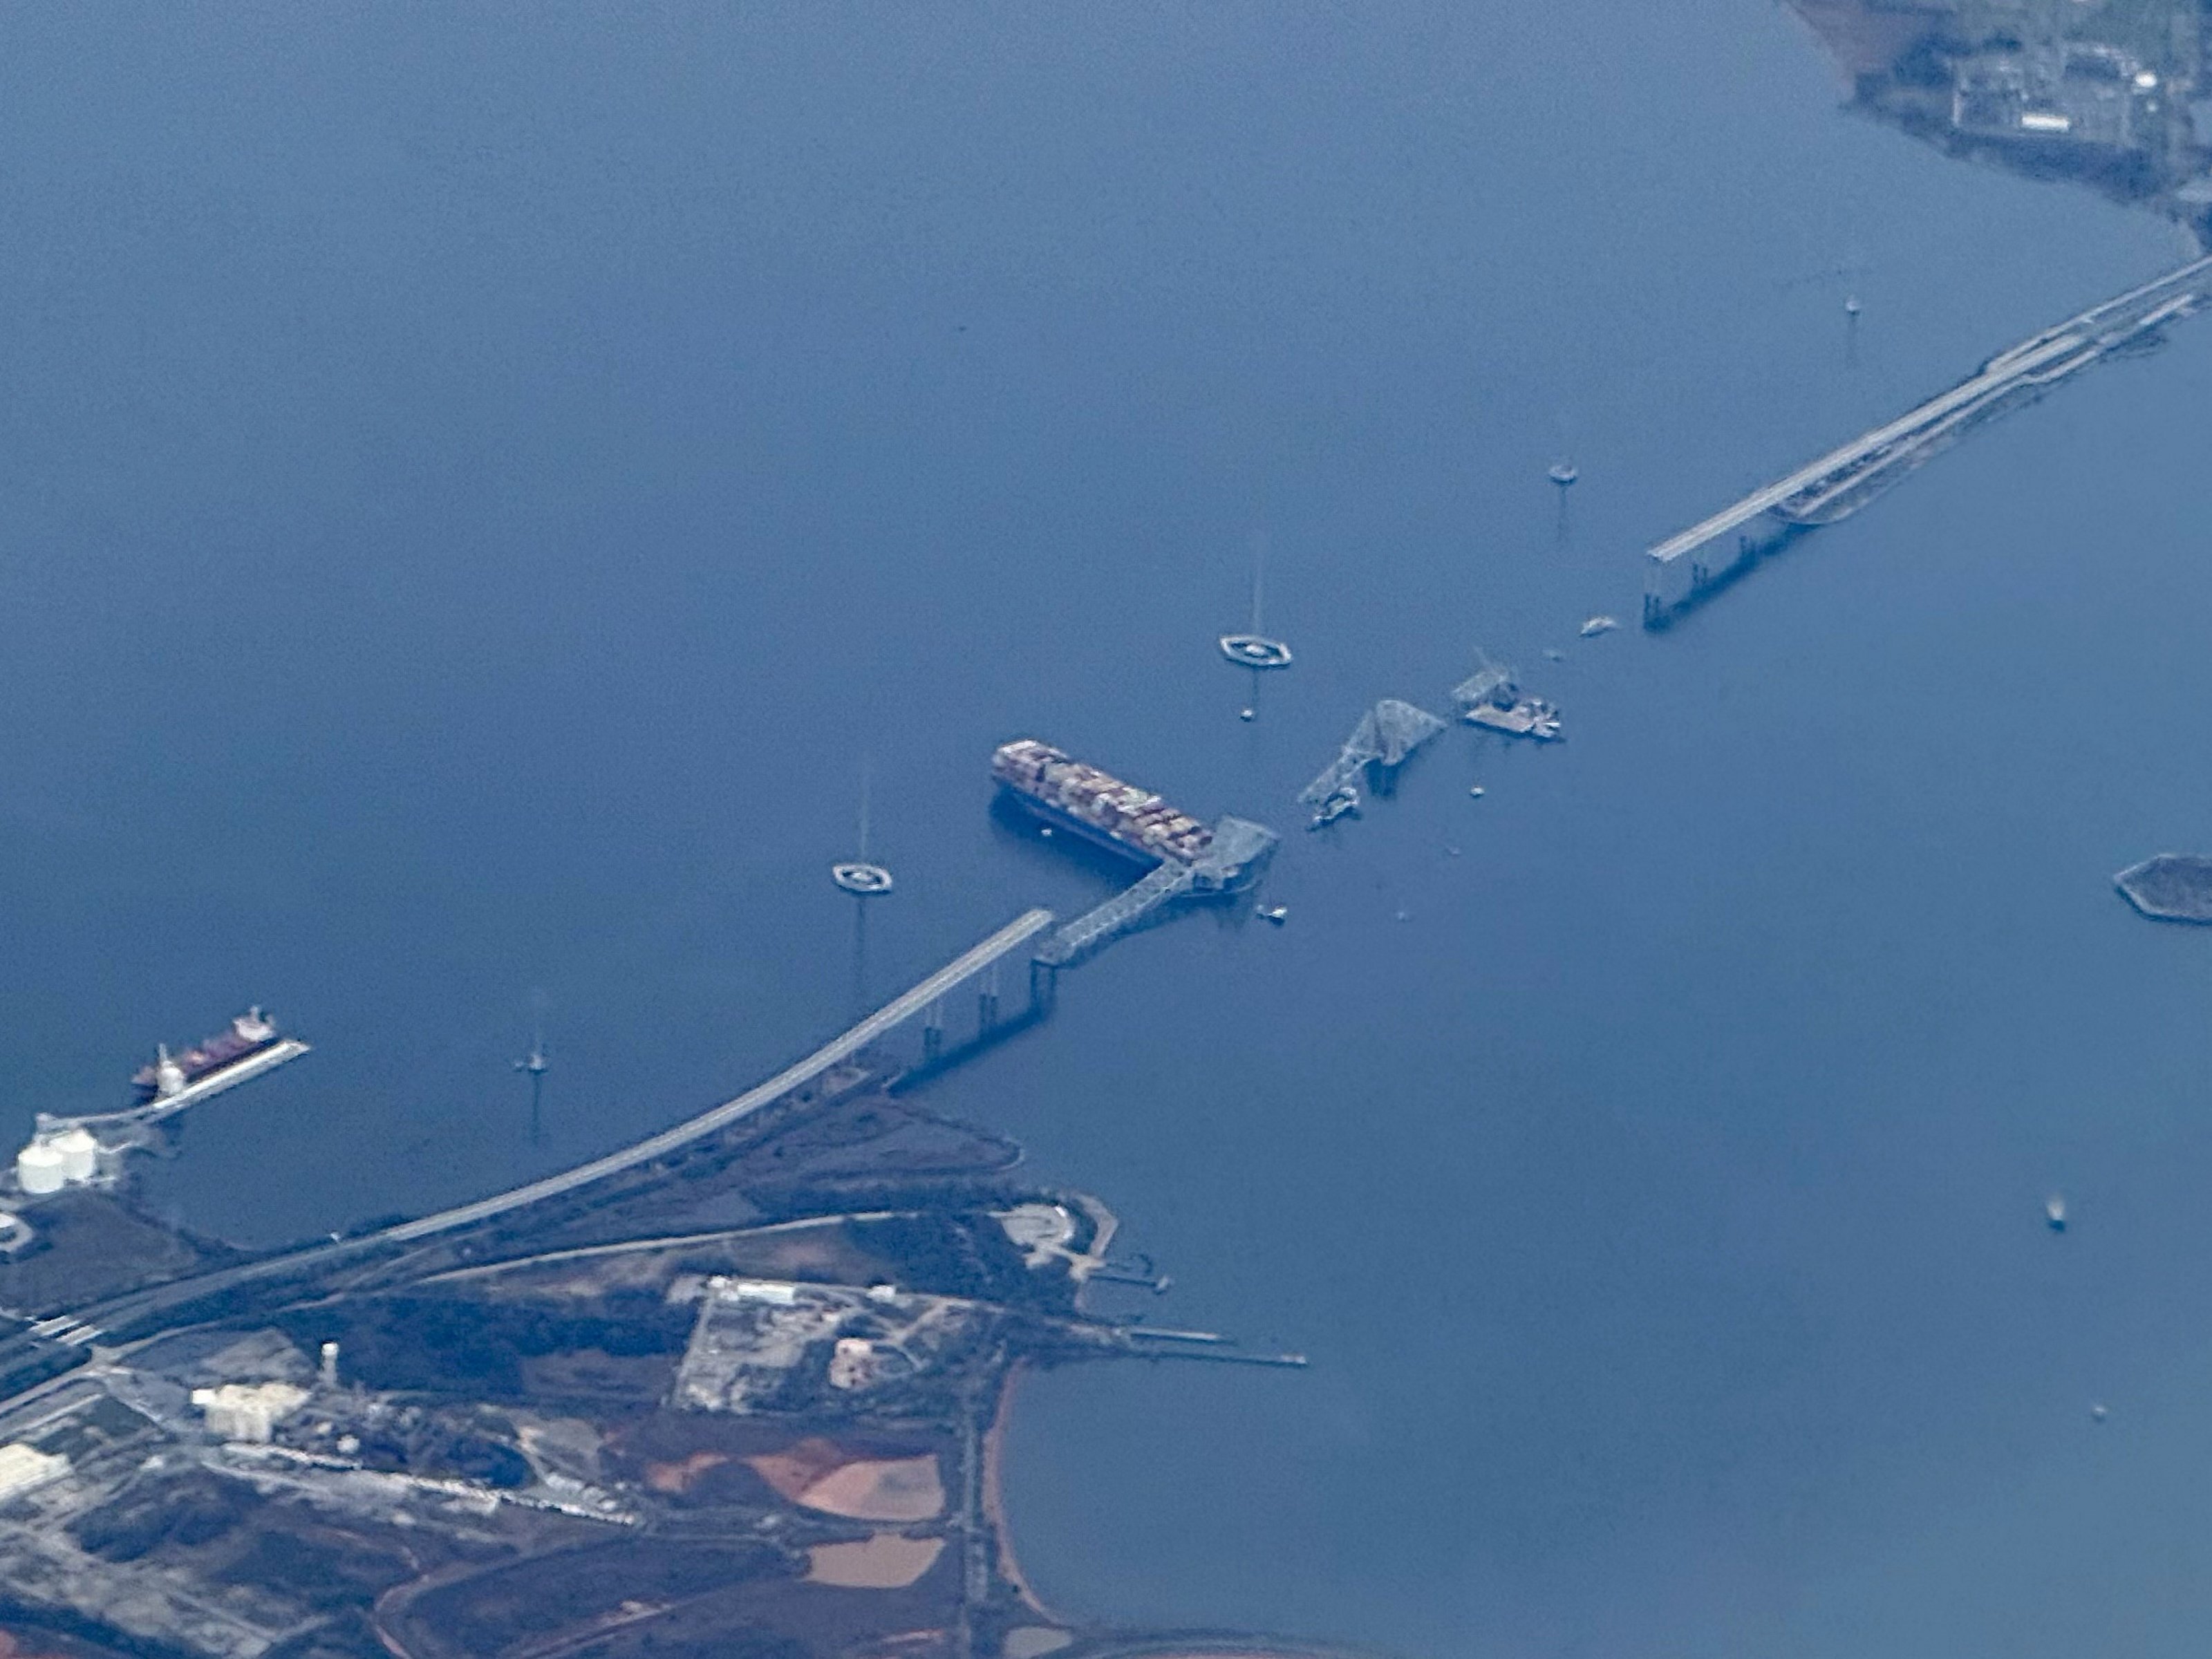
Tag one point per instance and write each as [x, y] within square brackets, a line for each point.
[480, 480]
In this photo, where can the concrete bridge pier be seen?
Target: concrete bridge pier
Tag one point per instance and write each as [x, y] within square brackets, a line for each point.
[995, 1024]
[1680, 577]
[1704, 558]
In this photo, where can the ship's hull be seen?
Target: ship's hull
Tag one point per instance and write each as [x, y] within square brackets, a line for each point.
[1097, 806]
[265, 1057]
[217, 1054]
[1060, 819]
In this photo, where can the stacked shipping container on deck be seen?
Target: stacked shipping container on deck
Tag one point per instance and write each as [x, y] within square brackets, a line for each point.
[1098, 806]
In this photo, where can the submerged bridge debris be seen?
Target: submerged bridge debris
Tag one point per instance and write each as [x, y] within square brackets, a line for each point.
[1231, 861]
[1490, 698]
[1387, 735]
[1126, 911]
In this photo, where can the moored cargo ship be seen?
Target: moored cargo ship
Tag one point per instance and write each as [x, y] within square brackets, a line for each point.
[246, 1035]
[1097, 806]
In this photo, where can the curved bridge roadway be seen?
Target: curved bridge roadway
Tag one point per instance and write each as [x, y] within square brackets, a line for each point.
[87, 1325]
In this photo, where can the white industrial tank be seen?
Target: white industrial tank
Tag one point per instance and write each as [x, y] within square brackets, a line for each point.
[38, 1169]
[80, 1155]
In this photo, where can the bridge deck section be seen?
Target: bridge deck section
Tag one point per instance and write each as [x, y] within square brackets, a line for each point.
[896, 1013]
[2034, 361]
[82, 1328]
[1127, 910]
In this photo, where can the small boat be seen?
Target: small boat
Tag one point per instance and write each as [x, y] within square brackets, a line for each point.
[1563, 473]
[1475, 790]
[1597, 625]
[1278, 914]
[1553, 653]
[2054, 1212]
[2098, 1413]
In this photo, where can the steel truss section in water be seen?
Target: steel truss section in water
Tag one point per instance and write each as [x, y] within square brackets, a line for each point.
[1387, 733]
[1126, 910]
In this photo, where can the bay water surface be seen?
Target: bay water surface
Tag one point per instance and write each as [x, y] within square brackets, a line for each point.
[481, 481]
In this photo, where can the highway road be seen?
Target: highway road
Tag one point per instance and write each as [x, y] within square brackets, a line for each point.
[2020, 364]
[79, 1327]
[1011, 937]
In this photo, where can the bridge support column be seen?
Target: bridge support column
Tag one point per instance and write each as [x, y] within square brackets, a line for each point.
[1044, 986]
[987, 1001]
[933, 1030]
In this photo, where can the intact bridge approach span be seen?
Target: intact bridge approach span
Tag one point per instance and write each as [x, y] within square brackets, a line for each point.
[1686, 569]
[894, 1013]
[133, 1310]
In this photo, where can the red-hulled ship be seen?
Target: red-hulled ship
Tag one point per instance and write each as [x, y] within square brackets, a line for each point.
[249, 1034]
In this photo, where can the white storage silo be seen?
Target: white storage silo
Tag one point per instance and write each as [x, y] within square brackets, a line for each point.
[38, 1169]
[80, 1155]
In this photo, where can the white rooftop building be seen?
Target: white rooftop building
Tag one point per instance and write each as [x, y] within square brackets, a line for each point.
[249, 1412]
[22, 1468]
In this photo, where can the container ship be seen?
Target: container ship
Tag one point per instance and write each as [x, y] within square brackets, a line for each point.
[248, 1034]
[1120, 817]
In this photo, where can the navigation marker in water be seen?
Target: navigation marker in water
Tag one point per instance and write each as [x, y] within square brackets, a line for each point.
[858, 875]
[1255, 650]
[536, 1064]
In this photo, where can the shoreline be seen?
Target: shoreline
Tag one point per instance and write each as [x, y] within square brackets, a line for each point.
[995, 1506]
